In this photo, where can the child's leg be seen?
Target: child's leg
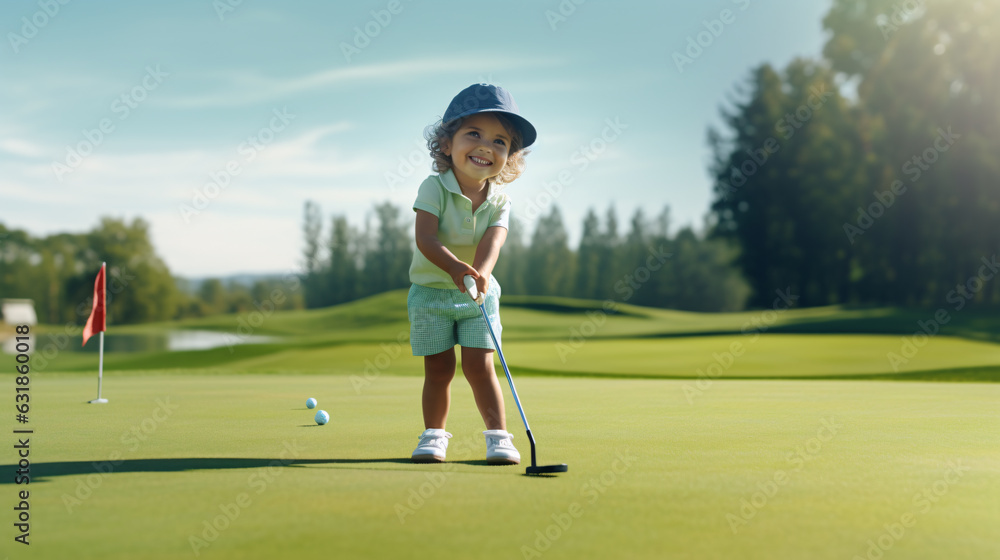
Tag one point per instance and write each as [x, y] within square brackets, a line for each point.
[477, 363]
[439, 370]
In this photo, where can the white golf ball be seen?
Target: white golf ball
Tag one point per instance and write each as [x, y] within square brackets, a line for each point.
[322, 417]
[311, 403]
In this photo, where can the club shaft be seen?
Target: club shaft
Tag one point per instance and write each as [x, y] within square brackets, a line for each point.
[506, 371]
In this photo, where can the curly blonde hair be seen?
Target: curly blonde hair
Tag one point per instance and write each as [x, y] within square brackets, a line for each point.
[441, 132]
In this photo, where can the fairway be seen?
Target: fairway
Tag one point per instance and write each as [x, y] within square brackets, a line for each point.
[757, 356]
[749, 469]
[561, 336]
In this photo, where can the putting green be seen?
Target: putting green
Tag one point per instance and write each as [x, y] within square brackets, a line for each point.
[741, 469]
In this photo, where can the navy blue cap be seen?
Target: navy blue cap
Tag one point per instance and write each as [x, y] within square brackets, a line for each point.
[485, 98]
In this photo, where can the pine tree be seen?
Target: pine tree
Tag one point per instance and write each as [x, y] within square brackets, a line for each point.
[588, 258]
[342, 276]
[315, 291]
[511, 268]
[550, 260]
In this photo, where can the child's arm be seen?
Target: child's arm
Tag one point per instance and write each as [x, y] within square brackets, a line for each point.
[487, 253]
[435, 251]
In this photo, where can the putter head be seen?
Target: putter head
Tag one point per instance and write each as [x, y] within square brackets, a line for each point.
[546, 469]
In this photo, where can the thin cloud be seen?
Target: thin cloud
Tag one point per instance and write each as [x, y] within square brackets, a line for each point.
[172, 176]
[21, 148]
[256, 88]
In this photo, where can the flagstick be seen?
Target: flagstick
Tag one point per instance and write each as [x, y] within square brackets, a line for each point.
[100, 359]
[100, 371]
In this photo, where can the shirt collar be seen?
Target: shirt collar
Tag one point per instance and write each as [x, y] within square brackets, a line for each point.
[450, 183]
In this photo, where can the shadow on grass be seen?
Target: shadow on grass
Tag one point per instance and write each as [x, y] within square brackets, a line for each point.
[972, 324]
[41, 472]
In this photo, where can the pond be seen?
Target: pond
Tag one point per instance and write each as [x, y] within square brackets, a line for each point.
[172, 341]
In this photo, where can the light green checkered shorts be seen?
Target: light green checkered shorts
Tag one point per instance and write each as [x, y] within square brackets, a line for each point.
[440, 319]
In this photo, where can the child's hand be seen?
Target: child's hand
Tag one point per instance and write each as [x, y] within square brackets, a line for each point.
[459, 271]
[482, 284]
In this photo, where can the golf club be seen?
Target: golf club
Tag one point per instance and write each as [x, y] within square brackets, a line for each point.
[480, 300]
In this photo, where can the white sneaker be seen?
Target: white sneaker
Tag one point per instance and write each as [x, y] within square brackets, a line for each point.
[433, 446]
[500, 449]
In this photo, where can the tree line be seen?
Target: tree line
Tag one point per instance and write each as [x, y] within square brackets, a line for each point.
[870, 176]
[58, 271]
[643, 264]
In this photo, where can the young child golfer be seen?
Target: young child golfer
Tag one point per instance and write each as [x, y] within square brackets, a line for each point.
[462, 218]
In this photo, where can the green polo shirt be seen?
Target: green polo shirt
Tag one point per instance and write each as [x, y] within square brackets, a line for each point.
[459, 228]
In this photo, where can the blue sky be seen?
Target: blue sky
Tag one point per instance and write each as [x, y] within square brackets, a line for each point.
[220, 121]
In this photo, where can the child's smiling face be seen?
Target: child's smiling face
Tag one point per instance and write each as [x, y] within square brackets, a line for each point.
[478, 150]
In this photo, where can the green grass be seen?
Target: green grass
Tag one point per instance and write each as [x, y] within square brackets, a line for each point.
[747, 356]
[347, 485]
[707, 431]
[558, 336]
[381, 316]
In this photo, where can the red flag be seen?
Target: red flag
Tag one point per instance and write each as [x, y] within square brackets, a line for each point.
[95, 323]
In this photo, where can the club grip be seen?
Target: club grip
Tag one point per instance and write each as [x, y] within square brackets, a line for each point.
[470, 286]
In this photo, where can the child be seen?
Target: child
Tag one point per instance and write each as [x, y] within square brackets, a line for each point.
[462, 222]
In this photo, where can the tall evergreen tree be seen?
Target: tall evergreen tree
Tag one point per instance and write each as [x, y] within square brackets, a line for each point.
[610, 270]
[312, 227]
[588, 258]
[787, 179]
[634, 250]
[512, 266]
[343, 274]
[387, 264]
[550, 260]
